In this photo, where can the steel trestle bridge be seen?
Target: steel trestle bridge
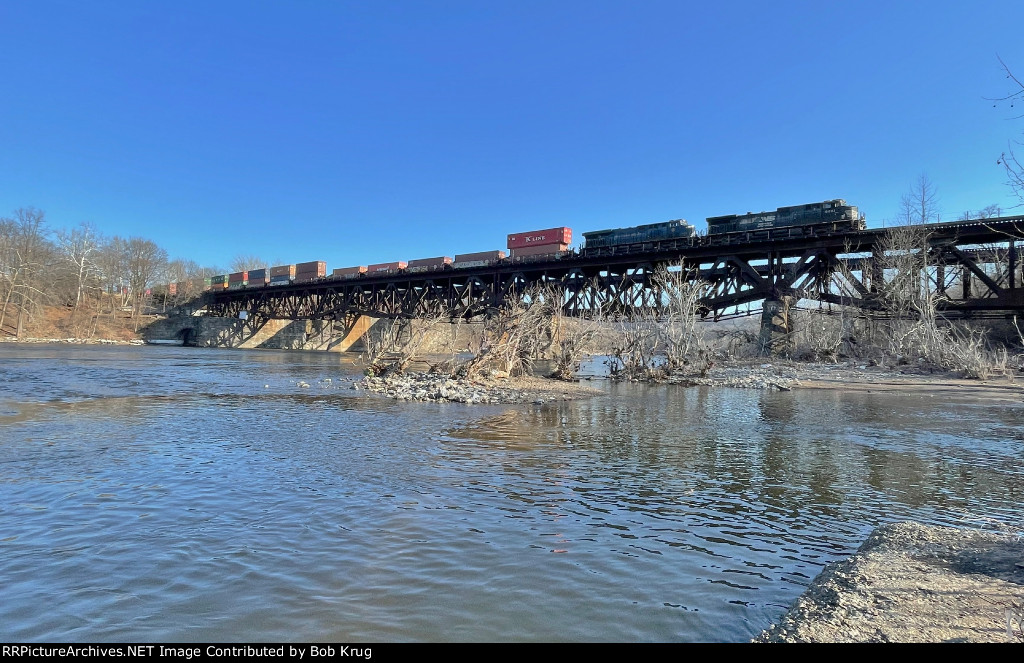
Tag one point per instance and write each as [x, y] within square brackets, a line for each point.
[974, 264]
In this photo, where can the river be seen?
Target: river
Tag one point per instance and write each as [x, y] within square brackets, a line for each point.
[180, 494]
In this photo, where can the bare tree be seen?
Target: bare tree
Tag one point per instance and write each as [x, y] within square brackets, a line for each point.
[570, 337]
[113, 267]
[916, 328]
[144, 261]
[682, 334]
[244, 263]
[990, 212]
[79, 247]
[921, 204]
[514, 336]
[23, 245]
[635, 351]
[1008, 159]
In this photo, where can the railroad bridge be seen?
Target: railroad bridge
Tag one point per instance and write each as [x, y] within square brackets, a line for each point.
[974, 264]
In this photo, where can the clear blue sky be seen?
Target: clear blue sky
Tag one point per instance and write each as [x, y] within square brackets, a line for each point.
[360, 132]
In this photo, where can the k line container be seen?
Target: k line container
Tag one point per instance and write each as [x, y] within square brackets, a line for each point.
[540, 238]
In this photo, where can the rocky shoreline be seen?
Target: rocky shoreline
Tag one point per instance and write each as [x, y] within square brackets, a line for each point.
[498, 390]
[915, 583]
[736, 374]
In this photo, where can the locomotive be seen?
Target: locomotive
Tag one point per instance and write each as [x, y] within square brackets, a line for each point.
[827, 217]
[645, 234]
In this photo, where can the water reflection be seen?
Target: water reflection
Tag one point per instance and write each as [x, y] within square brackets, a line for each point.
[190, 495]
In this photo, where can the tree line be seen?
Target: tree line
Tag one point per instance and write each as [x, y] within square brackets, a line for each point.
[78, 268]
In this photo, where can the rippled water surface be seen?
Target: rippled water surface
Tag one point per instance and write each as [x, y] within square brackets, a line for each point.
[174, 494]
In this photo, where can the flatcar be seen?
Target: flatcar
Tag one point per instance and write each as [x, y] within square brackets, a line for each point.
[645, 234]
[829, 216]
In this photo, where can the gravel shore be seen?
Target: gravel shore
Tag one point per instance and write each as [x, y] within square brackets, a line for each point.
[915, 583]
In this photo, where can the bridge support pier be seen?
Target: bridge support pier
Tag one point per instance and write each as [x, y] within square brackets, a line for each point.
[354, 332]
[776, 324]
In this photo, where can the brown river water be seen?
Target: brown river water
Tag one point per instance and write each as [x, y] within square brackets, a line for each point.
[179, 494]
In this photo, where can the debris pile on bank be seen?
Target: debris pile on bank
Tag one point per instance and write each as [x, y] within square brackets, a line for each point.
[765, 376]
[446, 389]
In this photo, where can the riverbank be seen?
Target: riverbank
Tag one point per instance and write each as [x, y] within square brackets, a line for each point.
[73, 341]
[915, 583]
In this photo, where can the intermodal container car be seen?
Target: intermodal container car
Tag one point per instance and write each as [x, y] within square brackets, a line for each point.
[428, 264]
[480, 255]
[548, 249]
[348, 272]
[386, 267]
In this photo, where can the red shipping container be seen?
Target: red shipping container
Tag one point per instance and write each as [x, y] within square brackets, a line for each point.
[238, 277]
[539, 250]
[386, 267]
[540, 238]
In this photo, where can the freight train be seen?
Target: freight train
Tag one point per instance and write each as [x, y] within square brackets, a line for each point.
[811, 220]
